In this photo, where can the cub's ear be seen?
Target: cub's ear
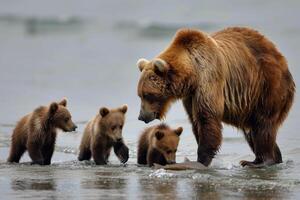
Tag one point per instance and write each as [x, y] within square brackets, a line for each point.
[141, 63]
[159, 135]
[63, 102]
[103, 111]
[123, 109]
[178, 131]
[53, 108]
[161, 67]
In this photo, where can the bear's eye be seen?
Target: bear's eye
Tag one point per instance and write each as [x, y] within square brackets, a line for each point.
[113, 127]
[67, 119]
[147, 96]
[121, 126]
[150, 97]
[169, 151]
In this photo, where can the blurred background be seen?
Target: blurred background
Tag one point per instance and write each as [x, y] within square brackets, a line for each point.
[87, 51]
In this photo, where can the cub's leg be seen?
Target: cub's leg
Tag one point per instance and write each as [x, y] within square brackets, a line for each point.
[47, 152]
[84, 154]
[107, 155]
[142, 155]
[99, 154]
[35, 153]
[154, 156]
[16, 152]
[121, 151]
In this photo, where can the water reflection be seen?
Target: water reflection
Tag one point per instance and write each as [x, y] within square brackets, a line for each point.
[158, 189]
[106, 183]
[204, 191]
[33, 184]
[266, 184]
[31, 180]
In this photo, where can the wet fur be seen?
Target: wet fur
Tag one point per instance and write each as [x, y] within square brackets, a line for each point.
[96, 142]
[36, 132]
[236, 76]
[148, 153]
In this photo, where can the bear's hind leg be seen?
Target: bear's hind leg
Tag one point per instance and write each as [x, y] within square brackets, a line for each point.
[249, 138]
[16, 153]
[263, 142]
[35, 154]
[277, 152]
[84, 154]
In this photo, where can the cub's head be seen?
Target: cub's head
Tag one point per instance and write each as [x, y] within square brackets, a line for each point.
[153, 89]
[60, 117]
[112, 121]
[166, 140]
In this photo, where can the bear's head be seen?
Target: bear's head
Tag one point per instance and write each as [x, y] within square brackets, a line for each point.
[166, 140]
[153, 89]
[176, 72]
[112, 122]
[60, 117]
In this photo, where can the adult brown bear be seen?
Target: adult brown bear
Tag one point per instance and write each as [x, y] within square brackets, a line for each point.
[236, 76]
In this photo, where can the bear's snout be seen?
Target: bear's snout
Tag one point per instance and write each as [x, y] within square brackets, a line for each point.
[74, 127]
[146, 117]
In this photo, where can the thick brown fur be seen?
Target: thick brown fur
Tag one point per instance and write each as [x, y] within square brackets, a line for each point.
[36, 132]
[158, 144]
[236, 76]
[101, 134]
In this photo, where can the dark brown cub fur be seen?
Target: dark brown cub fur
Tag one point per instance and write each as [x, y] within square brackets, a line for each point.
[36, 132]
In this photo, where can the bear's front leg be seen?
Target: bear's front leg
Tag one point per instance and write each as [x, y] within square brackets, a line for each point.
[99, 158]
[209, 134]
[35, 153]
[99, 154]
[121, 151]
[47, 153]
[154, 156]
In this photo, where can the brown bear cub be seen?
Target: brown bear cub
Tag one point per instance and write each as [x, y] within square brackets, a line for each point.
[158, 144]
[36, 132]
[101, 134]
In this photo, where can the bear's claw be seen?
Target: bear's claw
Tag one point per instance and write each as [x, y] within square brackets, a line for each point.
[256, 164]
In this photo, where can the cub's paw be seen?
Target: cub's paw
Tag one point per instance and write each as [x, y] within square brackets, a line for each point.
[122, 152]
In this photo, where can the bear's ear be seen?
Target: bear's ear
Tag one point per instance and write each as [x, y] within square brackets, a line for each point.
[103, 111]
[63, 102]
[53, 108]
[161, 67]
[141, 63]
[123, 109]
[178, 131]
[159, 135]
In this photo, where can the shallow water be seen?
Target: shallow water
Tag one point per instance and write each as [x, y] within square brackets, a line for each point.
[87, 53]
